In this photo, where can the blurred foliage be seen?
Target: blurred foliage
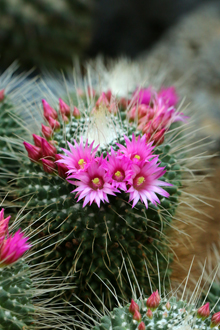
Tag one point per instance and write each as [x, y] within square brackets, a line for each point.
[44, 33]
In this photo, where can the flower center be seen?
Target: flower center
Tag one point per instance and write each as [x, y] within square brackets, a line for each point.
[119, 176]
[81, 163]
[140, 180]
[137, 157]
[97, 183]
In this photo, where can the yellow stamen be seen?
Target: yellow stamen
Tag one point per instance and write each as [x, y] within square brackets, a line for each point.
[137, 157]
[140, 180]
[96, 181]
[118, 173]
[81, 162]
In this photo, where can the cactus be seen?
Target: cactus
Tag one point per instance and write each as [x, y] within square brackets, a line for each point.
[87, 243]
[168, 314]
[44, 32]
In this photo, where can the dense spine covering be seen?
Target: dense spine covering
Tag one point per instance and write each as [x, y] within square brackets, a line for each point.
[90, 238]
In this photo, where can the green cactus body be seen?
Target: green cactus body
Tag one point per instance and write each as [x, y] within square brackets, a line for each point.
[180, 316]
[15, 297]
[9, 127]
[91, 239]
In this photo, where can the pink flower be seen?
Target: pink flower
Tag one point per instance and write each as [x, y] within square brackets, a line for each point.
[34, 153]
[47, 131]
[64, 108]
[143, 95]
[169, 96]
[49, 111]
[13, 247]
[92, 184]
[141, 326]
[3, 225]
[153, 301]
[203, 312]
[2, 95]
[102, 100]
[136, 149]
[145, 184]
[76, 112]
[137, 316]
[79, 157]
[118, 170]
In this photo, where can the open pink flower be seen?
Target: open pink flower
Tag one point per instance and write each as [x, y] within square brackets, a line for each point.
[169, 95]
[92, 184]
[143, 95]
[145, 184]
[137, 149]
[13, 247]
[118, 170]
[79, 157]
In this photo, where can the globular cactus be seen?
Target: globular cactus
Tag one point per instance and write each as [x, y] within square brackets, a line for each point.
[93, 231]
[154, 313]
[44, 32]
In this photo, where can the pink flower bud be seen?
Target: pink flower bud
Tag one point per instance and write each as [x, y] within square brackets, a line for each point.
[34, 153]
[123, 103]
[137, 316]
[64, 108]
[37, 140]
[54, 124]
[141, 326]
[91, 92]
[102, 100]
[203, 312]
[133, 307]
[65, 118]
[76, 112]
[158, 138]
[168, 306]
[62, 168]
[143, 110]
[47, 131]
[108, 95]
[49, 111]
[132, 113]
[3, 225]
[2, 95]
[48, 165]
[153, 301]
[149, 314]
[215, 321]
[48, 150]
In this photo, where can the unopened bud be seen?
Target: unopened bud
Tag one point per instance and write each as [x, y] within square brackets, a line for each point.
[203, 312]
[62, 168]
[2, 95]
[54, 124]
[37, 140]
[65, 118]
[168, 306]
[133, 307]
[91, 92]
[102, 100]
[141, 326]
[137, 316]
[49, 111]
[64, 108]
[158, 138]
[215, 321]
[48, 165]
[108, 95]
[76, 112]
[47, 131]
[48, 150]
[149, 314]
[153, 301]
[34, 153]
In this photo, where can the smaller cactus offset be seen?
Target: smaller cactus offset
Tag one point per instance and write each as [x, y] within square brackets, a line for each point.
[155, 313]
